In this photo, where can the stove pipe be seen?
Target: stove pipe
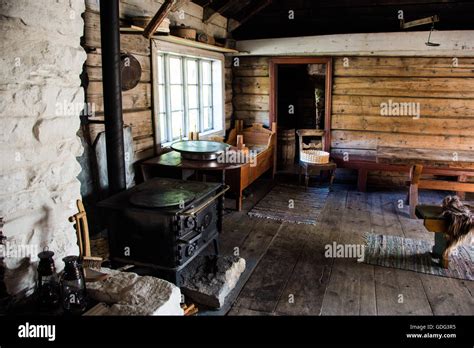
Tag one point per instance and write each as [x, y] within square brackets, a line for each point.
[112, 90]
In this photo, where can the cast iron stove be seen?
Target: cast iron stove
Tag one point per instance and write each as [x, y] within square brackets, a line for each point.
[163, 224]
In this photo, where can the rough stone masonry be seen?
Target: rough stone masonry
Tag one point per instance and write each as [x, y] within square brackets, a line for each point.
[40, 67]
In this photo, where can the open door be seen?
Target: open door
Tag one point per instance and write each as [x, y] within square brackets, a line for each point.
[300, 98]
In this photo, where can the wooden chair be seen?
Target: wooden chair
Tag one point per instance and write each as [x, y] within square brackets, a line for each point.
[314, 168]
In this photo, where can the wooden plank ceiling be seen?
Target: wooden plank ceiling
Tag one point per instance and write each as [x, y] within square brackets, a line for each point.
[255, 19]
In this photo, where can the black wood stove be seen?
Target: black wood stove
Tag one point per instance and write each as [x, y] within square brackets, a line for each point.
[163, 224]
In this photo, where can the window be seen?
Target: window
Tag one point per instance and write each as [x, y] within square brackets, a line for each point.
[189, 95]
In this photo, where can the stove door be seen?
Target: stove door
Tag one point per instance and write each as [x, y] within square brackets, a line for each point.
[204, 229]
[142, 237]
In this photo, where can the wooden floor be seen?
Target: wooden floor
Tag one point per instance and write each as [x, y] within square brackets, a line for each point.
[293, 277]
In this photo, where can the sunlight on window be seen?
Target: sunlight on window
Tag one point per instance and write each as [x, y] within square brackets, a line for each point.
[186, 89]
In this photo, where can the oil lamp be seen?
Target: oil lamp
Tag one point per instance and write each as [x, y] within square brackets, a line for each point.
[73, 286]
[47, 286]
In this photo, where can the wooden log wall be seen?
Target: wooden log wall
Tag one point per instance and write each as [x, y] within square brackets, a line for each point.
[443, 87]
[251, 88]
[137, 102]
[443, 91]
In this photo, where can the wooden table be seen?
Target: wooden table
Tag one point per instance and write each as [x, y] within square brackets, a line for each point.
[455, 163]
[172, 160]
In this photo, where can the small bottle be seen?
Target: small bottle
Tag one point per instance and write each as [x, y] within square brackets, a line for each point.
[47, 291]
[73, 286]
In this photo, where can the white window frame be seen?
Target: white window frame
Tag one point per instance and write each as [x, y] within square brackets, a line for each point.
[218, 84]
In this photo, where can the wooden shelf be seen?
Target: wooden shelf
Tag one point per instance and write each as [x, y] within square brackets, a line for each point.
[181, 41]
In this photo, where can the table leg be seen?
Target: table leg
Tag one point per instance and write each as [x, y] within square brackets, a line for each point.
[331, 180]
[415, 175]
[306, 177]
[362, 180]
[238, 203]
[461, 195]
[299, 174]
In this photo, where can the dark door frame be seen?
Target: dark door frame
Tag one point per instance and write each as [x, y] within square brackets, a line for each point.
[274, 62]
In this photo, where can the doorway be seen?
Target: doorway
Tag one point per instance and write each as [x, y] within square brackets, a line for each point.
[300, 98]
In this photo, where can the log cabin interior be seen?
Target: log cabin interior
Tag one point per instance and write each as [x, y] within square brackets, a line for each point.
[237, 158]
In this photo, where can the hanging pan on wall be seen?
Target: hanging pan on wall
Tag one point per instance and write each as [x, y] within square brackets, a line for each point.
[131, 71]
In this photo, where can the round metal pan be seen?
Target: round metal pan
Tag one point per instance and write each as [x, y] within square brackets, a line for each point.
[201, 150]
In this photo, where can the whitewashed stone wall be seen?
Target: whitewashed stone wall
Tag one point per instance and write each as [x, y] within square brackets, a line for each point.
[41, 62]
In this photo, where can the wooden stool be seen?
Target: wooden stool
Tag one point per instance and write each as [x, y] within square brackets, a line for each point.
[310, 168]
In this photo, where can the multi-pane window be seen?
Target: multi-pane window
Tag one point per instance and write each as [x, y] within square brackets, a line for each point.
[186, 97]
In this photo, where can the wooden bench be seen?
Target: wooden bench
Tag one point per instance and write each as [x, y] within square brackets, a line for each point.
[363, 165]
[454, 163]
[416, 183]
[436, 223]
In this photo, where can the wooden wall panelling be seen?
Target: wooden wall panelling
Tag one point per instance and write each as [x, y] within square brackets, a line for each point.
[252, 85]
[404, 67]
[404, 124]
[136, 98]
[94, 66]
[251, 89]
[443, 88]
[132, 43]
[137, 101]
[369, 105]
[250, 102]
[370, 140]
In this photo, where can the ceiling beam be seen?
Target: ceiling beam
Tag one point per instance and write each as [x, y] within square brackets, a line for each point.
[178, 4]
[211, 13]
[234, 24]
[160, 15]
[167, 7]
[459, 43]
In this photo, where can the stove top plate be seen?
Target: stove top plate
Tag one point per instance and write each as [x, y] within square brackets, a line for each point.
[162, 198]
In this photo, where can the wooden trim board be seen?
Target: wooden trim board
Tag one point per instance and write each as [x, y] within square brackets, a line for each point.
[453, 43]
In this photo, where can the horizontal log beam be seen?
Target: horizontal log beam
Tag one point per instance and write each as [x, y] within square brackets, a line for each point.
[455, 43]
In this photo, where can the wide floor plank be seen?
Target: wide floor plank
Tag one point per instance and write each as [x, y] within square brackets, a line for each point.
[351, 288]
[291, 274]
[305, 289]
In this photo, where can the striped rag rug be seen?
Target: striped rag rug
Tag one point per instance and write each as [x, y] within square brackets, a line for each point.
[414, 255]
[293, 204]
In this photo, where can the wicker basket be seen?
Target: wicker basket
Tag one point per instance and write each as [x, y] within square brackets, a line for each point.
[314, 156]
